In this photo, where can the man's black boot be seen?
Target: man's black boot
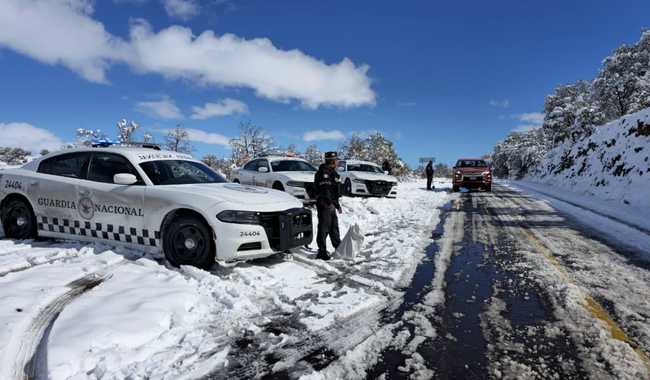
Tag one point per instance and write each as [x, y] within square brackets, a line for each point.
[322, 255]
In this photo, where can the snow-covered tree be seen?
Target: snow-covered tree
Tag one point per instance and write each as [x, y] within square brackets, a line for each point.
[14, 156]
[519, 153]
[441, 170]
[178, 140]
[375, 148]
[125, 130]
[223, 166]
[354, 148]
[147, 137]
[252, 142]
[85, 137]
[622, 84]
[313, 155]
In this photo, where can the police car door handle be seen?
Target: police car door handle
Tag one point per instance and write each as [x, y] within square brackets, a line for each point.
[84, 193]
[33, 183]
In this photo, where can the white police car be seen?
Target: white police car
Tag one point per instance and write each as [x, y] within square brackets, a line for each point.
[366, 178]
[291, 174]
[150, 199]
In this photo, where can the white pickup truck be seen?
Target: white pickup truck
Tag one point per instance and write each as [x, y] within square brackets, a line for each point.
[150, 200]
[290, 174]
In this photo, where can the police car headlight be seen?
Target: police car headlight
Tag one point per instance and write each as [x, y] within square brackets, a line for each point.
[295, 184]
[358, 180]
[240, 217]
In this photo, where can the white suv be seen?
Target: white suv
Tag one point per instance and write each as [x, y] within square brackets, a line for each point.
[366, 178]
[291, 174]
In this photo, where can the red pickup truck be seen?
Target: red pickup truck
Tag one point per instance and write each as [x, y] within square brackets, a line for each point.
[472, 173]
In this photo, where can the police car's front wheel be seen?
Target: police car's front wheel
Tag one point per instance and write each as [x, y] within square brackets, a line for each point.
[18, 220]
[188, 241]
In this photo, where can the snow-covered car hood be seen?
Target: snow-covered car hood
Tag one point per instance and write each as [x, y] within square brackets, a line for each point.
[298, 176]
[232, 193]
[373, 176]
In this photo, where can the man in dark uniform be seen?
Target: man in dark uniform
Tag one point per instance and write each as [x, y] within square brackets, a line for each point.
[326, 183]
[386, 167]
[429, 173]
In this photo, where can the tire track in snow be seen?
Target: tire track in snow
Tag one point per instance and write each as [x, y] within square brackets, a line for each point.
[30, 355]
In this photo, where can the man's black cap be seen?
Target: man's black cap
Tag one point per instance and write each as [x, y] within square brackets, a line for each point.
[331, 155]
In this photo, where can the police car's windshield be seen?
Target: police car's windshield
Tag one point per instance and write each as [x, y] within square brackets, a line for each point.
[179, 172]
[292, 166]
[364, 168]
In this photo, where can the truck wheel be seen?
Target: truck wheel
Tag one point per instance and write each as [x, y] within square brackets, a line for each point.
[347, 187]
[235, 180]
[18, 220]
[188, 241]
[278, 186]
[455, 189]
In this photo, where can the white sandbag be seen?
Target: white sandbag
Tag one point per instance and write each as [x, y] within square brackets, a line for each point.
[350, 245]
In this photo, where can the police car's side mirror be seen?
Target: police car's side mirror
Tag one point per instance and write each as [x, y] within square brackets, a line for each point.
[124, 179]
[263, 169]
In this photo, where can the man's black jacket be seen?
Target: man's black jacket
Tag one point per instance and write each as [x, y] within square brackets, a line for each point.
[429, 169]
[326, 183]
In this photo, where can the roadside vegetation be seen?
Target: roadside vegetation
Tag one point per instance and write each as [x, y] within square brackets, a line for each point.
[575, 111]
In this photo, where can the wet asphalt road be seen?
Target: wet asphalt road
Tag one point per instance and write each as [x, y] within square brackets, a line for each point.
[520, 301]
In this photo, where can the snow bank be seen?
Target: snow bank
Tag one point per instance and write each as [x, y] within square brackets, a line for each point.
[612, 165]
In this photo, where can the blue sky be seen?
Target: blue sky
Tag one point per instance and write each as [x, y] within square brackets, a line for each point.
[442, 79]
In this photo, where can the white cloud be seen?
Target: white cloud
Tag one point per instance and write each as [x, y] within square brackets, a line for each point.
[60, 32]
[531, 120]
[526, 127]
[182, 9]
[505, 103]
[223, 107]
[165, 108]
[531, 117]
[28, 137]
[232, 61]
[320, 134]
[67, 34]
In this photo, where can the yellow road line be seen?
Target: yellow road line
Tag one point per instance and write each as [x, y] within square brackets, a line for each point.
[590, 304]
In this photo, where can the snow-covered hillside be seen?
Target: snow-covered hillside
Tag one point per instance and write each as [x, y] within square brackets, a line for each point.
[613, 164]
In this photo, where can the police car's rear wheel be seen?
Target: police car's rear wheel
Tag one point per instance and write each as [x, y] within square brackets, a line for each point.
[18, 220]
[188, 241]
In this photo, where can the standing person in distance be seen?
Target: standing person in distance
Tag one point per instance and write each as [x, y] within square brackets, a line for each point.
[326, 183]
[385, 166]
[429, 172]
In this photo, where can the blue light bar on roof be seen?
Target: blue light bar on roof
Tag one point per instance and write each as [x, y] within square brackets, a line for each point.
[105, 142]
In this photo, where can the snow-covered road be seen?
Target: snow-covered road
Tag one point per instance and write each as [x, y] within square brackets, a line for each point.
[72, 310]
[470, 285]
